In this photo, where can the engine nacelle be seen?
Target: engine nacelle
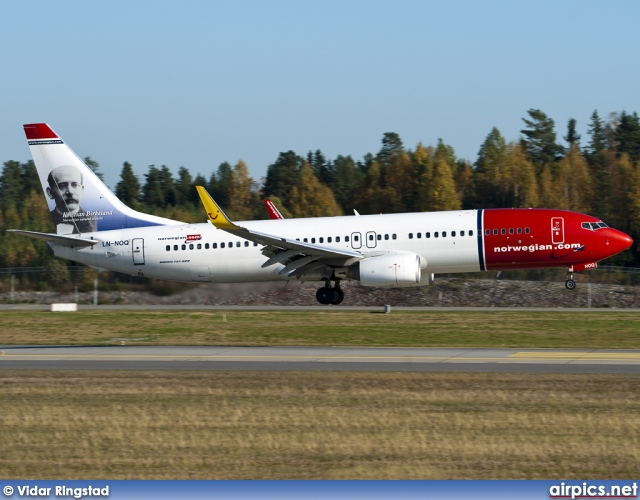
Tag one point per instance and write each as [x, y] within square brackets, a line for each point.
[401, 269]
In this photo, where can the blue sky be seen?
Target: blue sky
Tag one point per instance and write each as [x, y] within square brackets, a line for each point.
[195, 83]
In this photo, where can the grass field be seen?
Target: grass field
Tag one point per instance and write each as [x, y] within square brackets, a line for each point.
[317, 425]
[577, 329]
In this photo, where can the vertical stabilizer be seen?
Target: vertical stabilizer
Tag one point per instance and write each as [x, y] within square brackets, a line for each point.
[78, 200]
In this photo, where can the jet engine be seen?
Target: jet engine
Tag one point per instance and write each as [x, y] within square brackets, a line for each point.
[395, 269]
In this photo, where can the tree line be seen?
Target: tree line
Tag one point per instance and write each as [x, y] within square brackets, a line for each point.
[598, 175]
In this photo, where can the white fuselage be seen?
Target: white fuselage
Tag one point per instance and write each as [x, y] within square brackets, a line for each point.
[200, 252]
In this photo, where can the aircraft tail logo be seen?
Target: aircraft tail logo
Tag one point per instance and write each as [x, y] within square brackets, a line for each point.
[78, 200]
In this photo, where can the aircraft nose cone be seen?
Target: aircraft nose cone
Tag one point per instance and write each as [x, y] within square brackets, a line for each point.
[627, 241]
[621, 241]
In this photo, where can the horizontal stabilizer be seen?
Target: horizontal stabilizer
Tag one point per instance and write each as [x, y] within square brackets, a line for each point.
[58, 239]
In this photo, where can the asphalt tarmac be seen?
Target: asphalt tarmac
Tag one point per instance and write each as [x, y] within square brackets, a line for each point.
[405, 359]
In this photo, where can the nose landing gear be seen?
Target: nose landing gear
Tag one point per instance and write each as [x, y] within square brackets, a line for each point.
[570, 284]
[327, 295]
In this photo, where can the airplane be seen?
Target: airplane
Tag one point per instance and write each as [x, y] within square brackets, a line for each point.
[95, 228]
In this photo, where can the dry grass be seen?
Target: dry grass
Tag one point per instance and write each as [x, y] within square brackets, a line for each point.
[317, 425]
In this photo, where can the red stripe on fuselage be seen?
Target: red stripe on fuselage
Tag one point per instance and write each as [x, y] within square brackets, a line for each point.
[537, 238]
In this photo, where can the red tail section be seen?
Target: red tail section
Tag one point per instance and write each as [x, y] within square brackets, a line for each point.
[37, 131]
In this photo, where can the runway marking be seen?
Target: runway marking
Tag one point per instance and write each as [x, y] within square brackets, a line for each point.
[577, 355]
[513, 357]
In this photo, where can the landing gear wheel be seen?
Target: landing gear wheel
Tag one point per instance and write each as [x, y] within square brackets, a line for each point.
[325, 295]
[338, 296]
[570, 284]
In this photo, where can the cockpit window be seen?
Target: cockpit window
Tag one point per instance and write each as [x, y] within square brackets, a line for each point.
[593, 226]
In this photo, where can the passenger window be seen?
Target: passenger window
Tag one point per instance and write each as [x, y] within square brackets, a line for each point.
[313, 240]
[487, 232]
[453, 234]
[321, 239]
[503, 231]
[246, 243]
[495, 232]
[255, 243]
[435, 235]
[419, 235]
[346, 238]
[510, 230]
[371, 237]
[470, 233]
[305, 240]
[410, 236]
[206, 246]
[184, 247]
[427, 235]
[168, 247]
[526, 230]
[356, 238]
[379, 237]
[386, 236]
[444, 234]
[329, 239]
[393, 236]
[175, 247]
[199, 246]
[337, 239]
[215, 245]
[461, 233]
[519, 230]
[237, 243]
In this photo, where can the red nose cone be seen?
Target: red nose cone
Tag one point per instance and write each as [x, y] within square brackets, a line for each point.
[620, 241]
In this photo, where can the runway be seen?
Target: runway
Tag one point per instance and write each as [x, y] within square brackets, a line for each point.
[404, 359]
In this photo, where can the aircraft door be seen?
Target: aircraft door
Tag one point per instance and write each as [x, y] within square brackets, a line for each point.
[557, 230]
[137, 250]
[356, 240]
[371, 239]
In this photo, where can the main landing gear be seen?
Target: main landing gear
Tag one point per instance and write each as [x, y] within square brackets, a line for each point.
[570, 284]
[327, 295]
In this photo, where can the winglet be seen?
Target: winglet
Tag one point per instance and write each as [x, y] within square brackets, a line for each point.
[214, 212]
[274, 213]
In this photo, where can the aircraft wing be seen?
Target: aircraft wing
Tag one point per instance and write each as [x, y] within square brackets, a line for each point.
[58, 239]
[295, 254]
